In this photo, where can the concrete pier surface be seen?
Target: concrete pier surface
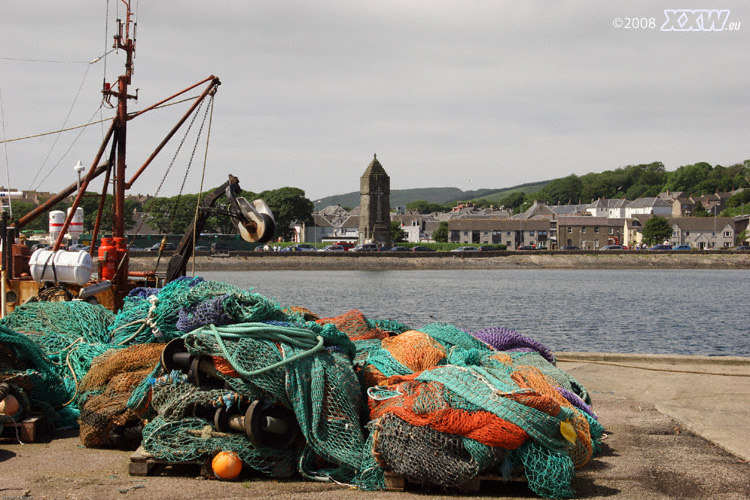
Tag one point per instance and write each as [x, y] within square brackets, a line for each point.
[677, 427]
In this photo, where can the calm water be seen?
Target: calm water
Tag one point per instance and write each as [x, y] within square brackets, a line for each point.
[645, 311]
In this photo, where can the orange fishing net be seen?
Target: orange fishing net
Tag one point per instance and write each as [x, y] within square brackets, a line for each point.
[355, 325]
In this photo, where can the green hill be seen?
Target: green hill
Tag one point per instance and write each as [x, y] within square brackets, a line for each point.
[401, 197]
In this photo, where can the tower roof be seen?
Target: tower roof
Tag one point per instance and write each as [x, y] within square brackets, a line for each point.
[374, 168]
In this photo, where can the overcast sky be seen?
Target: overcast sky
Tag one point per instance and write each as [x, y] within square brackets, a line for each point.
[471, 94]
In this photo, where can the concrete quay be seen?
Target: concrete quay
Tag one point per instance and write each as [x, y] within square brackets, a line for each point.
[676, 427]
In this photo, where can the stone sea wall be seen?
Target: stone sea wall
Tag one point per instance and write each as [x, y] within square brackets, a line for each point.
[252, 261]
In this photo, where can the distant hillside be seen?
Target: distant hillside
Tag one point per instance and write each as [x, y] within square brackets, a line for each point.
[400, 197]
[496, 196]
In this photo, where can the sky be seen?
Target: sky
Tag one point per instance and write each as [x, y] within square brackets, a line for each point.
[467, 94]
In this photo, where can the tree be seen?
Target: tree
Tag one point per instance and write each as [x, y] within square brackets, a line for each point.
[397, 234]
[424, 207]
[288, 205]
[700, 211]
[441, 233]
[90, 205]
[513, 200]
[656, 230]
[41, 223]
[565, 190]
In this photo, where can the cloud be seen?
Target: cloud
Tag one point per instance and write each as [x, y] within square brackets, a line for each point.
[500, 92]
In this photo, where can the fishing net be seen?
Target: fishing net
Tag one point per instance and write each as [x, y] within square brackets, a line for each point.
[25, 368]
[70, 335]
[342, 398]
[105, 420]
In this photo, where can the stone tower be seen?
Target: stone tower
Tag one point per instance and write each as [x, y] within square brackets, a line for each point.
[375, 206]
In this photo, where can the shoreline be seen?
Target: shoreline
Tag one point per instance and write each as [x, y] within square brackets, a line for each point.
[269, 261]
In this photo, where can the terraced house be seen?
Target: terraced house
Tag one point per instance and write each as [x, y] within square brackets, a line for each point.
[513, 233]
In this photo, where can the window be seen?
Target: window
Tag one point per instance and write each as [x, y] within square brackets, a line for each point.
[687, 233]
[508, 233]
[466, 233]
[611, 230]
[570, 229]
[583, 230]
[596, 230]
[727, 234]
[531, 233]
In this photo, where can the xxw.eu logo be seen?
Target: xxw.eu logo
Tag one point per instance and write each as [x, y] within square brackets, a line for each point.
[696, 20]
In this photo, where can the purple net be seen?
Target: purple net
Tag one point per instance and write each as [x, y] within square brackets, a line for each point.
[208, 312]
[576, 401]
[505, 339]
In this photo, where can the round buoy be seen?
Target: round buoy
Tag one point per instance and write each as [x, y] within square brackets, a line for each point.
[226, 465]
[9, 406]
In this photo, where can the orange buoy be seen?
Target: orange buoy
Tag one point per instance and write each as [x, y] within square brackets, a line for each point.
[226, 465]
[9, 406]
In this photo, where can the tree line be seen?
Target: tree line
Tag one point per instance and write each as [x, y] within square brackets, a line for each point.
[630, 182]
[174, 215]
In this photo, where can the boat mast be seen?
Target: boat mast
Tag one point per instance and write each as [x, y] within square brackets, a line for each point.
[124, 42]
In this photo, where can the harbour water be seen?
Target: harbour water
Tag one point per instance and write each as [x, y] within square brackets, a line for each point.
[668, 311]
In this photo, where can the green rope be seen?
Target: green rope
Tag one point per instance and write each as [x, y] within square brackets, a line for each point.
[296, 337]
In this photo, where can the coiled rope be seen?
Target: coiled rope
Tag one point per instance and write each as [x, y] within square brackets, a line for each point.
[296, 337]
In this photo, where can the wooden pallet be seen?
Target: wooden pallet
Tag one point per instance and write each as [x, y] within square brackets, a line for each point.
[395, 482]
[143, 463]
[28, 430]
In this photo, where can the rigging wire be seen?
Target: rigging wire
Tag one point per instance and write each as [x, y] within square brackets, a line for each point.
[42, 134]
[5, 148]
[187, 171]
[63, 155]
[49, 153]
[203, 176]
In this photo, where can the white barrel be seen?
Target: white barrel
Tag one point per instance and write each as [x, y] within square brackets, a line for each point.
[56, 221]
[76, 225]
[61, 266]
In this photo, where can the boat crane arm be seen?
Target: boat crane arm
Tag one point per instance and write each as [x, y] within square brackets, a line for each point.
[254, 221]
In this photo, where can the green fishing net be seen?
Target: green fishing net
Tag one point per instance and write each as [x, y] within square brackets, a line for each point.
[345, 398]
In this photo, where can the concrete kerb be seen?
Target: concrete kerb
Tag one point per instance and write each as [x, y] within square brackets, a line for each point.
[708, 395]
[653, 358]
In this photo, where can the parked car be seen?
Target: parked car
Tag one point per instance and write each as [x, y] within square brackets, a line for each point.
[77, 247]
[464, 249]
[612, 247]
[743, 248]
[398, 249]
[682, 247]
[365, 247]
[661, 247]
[527, 247]
[346, 245]
[422, 248]
[570, 248]
[299, 247]
[168, 247]
[488, 248]
[331, 248]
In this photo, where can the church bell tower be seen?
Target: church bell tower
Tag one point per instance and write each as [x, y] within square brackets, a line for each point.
[375, 207]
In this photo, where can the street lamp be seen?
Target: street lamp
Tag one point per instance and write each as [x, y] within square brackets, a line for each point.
[79, 168]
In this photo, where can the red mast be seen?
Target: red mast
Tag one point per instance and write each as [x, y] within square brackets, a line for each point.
[124, 42]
